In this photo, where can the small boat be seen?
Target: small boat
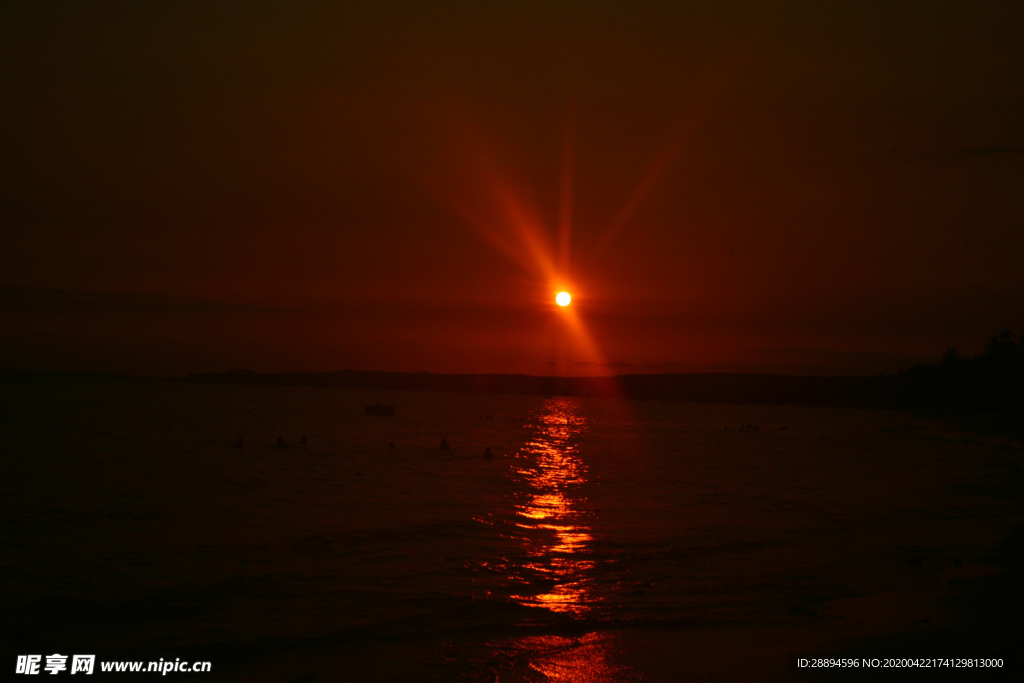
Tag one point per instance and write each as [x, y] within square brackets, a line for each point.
[378, 409]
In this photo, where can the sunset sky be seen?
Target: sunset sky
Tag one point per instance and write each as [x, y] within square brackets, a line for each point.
[798, 187]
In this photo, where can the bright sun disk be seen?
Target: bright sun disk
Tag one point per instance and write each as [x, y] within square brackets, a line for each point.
[563, 298]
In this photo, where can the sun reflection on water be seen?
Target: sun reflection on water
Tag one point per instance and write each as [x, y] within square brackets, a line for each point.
[553, 511]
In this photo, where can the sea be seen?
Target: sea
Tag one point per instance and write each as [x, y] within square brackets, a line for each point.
[283, 534]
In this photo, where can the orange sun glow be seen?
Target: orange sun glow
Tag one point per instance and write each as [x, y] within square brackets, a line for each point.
[563, 298]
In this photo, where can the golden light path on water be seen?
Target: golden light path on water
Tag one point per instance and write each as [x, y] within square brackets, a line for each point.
[556, 519]
[553, 475]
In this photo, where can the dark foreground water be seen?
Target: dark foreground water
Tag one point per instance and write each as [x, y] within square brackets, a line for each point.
[132, 526]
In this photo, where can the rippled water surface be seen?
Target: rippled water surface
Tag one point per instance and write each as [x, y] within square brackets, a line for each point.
[133, 521]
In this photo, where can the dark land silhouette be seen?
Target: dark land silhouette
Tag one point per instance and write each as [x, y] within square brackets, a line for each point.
[985, 392]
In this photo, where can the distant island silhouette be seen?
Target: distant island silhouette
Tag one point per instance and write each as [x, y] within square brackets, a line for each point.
[703, 387]
[985, 392]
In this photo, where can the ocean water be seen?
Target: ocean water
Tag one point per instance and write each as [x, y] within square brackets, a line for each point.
[132, 524]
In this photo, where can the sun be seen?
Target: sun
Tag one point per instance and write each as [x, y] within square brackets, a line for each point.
[563, 298]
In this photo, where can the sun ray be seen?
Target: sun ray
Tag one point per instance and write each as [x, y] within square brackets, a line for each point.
[566, 190]
[686, 127]
[583, 344]
[526, 226]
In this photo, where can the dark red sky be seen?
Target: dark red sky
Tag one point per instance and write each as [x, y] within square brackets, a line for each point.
[812, 187]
